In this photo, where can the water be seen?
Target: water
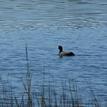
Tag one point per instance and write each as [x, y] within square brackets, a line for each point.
[78, 25]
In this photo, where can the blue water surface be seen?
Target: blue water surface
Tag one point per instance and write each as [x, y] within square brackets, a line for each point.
[78, 25]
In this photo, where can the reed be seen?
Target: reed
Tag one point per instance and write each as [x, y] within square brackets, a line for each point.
[49, 96]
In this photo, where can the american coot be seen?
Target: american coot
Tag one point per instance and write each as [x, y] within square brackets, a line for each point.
[64, 53]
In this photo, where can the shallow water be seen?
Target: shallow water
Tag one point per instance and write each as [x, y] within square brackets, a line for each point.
[78, 25]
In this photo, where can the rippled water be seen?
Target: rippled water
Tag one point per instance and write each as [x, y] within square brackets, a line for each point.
[78, 25]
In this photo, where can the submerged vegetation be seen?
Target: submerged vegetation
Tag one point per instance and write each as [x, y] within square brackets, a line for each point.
[48, 96]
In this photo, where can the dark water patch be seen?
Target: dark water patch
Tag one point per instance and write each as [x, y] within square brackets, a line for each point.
[85, 2]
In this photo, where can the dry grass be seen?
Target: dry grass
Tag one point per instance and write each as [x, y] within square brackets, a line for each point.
[47, 97]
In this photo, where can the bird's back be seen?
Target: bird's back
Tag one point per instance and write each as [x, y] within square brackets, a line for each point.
[64, 53]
